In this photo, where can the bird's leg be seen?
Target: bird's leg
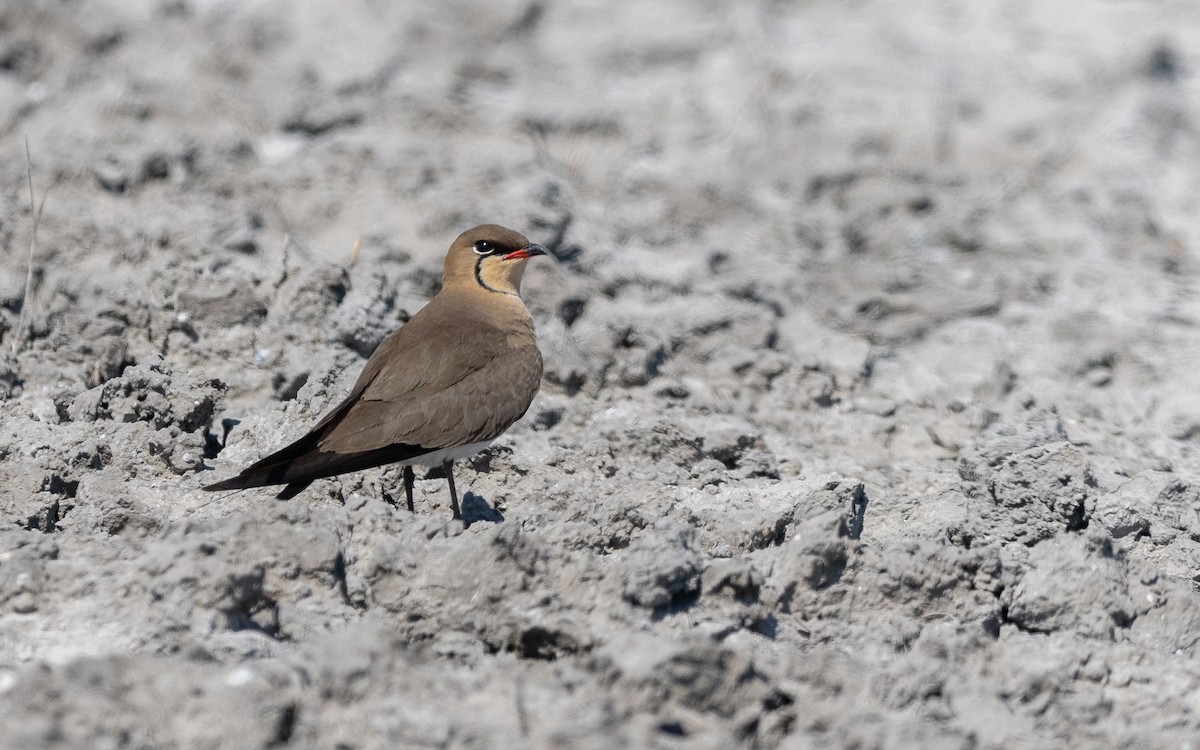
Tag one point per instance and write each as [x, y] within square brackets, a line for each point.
[448, 467]
[408, 486]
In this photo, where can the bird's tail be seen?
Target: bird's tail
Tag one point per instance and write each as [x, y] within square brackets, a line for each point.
[277, 468]
[233, 483]
[300, 463]
[293, 489]
[248, 479]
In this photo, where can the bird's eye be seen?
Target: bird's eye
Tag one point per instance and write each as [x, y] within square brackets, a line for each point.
[483, 247]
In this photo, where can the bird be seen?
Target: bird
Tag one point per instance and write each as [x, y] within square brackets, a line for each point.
[441, 387]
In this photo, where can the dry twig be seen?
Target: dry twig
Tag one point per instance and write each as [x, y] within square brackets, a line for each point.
[36, 208]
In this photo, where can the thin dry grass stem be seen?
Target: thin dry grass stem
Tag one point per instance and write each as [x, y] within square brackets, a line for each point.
[283, 261]
[945, 119]
[36, 208]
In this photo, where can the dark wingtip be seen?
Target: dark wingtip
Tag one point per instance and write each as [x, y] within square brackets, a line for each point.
[293, 489]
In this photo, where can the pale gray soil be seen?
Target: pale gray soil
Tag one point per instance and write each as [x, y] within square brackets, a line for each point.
[870, 416]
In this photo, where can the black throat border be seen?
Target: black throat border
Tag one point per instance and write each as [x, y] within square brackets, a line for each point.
[479, 278]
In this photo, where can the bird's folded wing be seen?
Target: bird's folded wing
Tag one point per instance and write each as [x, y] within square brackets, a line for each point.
[419, 357]
[479, 403]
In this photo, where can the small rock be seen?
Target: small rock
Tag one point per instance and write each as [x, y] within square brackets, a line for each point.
[661, 567]
[43, 410]
[1071, 585]
[880, 407]
[738, 577]
[1122, 516]
[156, 166]
[111, 176]
[241, 239]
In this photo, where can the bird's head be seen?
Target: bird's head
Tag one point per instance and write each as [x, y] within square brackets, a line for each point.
[490, 257]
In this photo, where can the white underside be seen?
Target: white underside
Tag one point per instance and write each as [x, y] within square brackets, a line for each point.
[438, 457]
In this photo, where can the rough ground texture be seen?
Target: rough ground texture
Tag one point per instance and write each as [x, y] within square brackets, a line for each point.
[870, 416]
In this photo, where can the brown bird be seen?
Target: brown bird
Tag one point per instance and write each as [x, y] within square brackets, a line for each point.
[442, 387]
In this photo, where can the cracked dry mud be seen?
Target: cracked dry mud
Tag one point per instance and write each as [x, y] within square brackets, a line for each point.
[870, 416]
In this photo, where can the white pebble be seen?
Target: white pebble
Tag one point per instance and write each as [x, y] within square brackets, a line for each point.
[240, 676]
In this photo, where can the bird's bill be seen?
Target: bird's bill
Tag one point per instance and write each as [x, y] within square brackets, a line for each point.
[528, 251]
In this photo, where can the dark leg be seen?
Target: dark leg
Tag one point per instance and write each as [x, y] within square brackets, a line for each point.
[408, 485]
[448, 467]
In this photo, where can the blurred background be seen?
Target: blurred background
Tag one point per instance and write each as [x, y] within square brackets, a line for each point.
[939, 256]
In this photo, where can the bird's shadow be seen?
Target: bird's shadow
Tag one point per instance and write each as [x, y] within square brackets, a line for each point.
[475, 508]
